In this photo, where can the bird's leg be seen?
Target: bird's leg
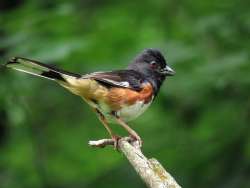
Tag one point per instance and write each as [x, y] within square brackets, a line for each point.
[105, 123]
[132, 133]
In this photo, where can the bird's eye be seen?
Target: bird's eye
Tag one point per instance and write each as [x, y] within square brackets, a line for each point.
[153, 64]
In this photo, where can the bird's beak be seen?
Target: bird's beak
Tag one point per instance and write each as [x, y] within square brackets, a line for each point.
[168, 71]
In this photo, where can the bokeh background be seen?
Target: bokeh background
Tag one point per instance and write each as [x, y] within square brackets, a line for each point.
[198, 127]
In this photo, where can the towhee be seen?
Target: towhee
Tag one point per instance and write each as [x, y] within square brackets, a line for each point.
[116, 96]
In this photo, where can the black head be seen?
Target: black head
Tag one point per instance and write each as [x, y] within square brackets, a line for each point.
[152, 64]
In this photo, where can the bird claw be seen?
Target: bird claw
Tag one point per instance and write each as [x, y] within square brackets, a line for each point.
[138, 139]
[116, 139]
[134, 138]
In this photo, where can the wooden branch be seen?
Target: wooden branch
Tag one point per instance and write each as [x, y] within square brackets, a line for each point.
[150, 170]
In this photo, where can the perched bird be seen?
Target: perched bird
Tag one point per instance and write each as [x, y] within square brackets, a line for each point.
[116, 96]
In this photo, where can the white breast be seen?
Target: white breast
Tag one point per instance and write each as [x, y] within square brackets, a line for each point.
[128, 113]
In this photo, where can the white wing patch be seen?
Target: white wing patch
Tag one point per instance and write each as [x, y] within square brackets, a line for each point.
[123, 84]
[92, 75]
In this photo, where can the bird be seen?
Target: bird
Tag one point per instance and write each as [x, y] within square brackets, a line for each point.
[116, 96]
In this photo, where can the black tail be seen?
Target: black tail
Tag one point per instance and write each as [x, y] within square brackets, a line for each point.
[39, 69]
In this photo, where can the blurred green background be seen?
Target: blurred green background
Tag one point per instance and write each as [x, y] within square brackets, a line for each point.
[198, 127]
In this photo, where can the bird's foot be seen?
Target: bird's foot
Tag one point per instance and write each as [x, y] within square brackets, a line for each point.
[137, 138]
[116, 139]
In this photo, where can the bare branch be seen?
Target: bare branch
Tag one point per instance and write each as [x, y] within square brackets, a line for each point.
[150, 170]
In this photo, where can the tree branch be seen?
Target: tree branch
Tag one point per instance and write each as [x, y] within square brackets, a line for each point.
[150, 170]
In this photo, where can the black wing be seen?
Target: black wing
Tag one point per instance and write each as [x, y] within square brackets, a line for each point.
[121, 78]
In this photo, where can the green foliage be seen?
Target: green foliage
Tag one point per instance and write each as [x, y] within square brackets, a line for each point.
[198, 126]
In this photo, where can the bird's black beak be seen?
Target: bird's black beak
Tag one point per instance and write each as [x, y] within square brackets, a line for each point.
[168, 71]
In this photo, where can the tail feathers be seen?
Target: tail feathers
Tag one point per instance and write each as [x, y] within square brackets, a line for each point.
[39, 69]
